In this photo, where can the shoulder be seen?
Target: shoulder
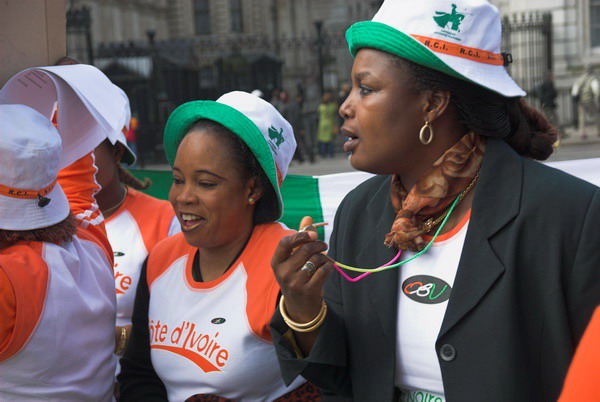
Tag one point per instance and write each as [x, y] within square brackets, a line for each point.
[148, 202]
[269, 234]
[374, 190]
[164, 254]
[552, 186]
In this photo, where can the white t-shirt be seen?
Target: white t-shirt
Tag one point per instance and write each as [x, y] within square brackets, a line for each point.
[424, 290]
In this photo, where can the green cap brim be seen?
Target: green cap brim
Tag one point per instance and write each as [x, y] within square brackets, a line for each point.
[187, 114]
[383, 37]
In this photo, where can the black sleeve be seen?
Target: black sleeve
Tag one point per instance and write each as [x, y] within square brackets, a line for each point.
[138, 380]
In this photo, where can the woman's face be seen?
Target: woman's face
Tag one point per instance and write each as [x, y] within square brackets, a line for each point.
[209, 194]
[106, 159]
[383, 115]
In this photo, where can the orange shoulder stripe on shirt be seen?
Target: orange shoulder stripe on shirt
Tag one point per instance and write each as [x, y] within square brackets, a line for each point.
[262, 288]
[164, 254]
[153, 216]
[28, 275]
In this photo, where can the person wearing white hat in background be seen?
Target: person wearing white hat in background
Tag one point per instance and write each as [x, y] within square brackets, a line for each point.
[498, 271]
[135, 222]
[206, 295]
[57, 297]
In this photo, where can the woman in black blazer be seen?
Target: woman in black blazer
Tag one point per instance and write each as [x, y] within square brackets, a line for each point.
[492, 312]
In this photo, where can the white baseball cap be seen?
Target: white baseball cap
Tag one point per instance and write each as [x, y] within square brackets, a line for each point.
[30, 149]
[268, 135]
[460, 38]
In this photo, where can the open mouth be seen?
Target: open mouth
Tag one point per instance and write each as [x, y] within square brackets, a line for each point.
[190, 221]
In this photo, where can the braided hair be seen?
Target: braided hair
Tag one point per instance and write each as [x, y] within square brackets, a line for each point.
[131, 181]
[488, 113]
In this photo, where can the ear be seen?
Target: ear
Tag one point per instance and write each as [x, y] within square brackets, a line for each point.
[118, 152]
[253, 190]
[436, 104]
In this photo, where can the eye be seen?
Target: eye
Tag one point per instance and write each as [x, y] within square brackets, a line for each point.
[364, 90]
[177, 181]
[206, 184]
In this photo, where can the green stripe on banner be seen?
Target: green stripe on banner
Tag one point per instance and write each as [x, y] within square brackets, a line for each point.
[301, 198]
[300, 195]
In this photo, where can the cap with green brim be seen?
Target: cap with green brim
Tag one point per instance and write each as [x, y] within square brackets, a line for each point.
[268, 135]
[461, 39]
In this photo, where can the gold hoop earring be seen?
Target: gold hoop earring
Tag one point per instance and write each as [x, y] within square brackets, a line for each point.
[422, 132]
[251, 201]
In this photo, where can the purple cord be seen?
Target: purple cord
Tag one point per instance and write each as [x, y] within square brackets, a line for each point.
[359, 277]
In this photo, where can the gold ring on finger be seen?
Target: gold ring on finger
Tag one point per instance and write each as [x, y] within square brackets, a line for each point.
[309, 267]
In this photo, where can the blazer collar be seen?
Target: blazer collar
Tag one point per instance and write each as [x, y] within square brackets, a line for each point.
[495, 203]
[382, 286]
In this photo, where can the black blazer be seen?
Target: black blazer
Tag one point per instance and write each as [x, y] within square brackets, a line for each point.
[527, 283]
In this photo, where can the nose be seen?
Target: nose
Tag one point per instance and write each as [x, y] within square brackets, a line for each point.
[346, 109]
[185, 195]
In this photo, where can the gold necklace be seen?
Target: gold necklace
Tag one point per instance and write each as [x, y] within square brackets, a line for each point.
[430, 223]
[109, 211]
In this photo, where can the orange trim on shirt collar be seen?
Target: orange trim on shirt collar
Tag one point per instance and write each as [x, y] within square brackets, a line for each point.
[454, 49]
[451, 233]
[26, 194]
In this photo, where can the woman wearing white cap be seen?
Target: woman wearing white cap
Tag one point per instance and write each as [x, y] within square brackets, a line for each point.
[57, 300]
[135, 223]
[206, 295]
[497, 273]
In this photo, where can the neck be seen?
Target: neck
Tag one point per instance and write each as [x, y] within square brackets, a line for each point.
[214, 262]
[110, 196]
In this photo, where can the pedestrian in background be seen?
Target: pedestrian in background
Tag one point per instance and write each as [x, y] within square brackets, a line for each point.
[546, 93]
[293, 113]
[327, 127]
[586, 94]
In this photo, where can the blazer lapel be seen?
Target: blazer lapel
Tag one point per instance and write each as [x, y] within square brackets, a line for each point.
[496, 202]
[382, 286]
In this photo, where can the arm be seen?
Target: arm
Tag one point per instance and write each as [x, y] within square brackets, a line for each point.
[78, 181]
[8, 310]
[583, 280]
[138, 380]
[321, 356]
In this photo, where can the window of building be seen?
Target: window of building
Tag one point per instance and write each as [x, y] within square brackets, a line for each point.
[202, 17]
[236, 15]
[595, 23]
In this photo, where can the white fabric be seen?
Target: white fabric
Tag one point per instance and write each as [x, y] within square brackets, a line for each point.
[130, 252]
[266, 118]
[87, 102]
[30, 148]
[62, 364]
[244, 366]
[479, 28]
[417, 365]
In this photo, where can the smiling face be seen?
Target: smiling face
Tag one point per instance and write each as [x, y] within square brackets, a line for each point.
[210, 195]
[383, 115]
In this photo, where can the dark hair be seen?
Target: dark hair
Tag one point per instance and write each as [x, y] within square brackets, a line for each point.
[266, 209]
[131, 181]
[488, 113]
[58, 233]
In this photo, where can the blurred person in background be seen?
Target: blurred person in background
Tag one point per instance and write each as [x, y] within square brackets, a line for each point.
[327, 127]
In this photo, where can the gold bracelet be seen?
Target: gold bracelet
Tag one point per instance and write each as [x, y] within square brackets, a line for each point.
[303, 327]
[122, 341]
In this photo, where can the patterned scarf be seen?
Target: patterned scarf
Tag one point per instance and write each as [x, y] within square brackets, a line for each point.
[433, 192]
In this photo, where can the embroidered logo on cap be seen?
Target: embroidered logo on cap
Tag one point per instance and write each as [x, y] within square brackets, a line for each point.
[276, 138]
[449, 22]
[453, 19]
[426, 289]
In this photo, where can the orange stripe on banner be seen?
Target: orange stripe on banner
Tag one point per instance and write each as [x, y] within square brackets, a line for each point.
[454, 49]
[200, 361]
[26, 194]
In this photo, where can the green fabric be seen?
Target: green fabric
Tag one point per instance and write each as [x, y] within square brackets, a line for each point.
[187, 114]
[300, 194]
[383, 37]
[327, 121]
